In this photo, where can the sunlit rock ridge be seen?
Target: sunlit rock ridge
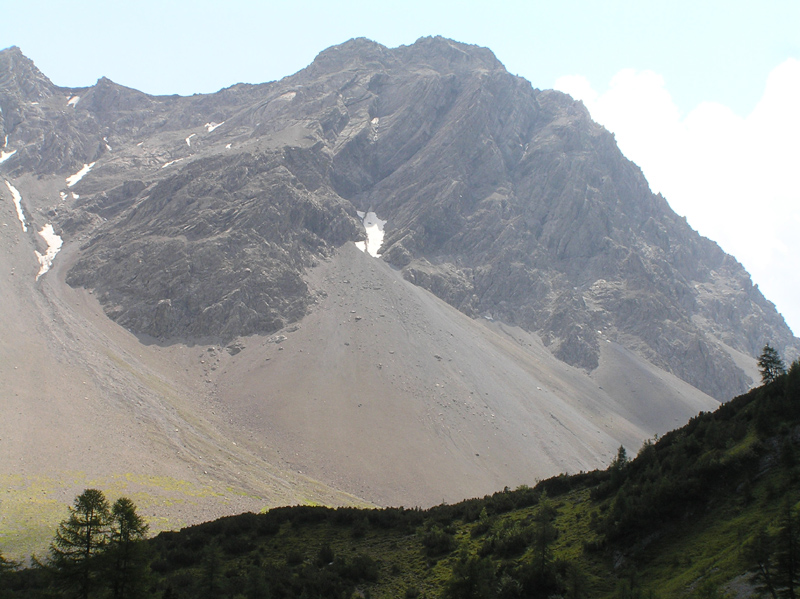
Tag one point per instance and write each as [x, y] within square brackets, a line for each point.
[198, 217]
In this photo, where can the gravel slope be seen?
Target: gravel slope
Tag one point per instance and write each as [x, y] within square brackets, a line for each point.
[387, 392]
[384, 394]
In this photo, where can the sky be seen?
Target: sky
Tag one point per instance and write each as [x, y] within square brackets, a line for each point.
[702, 95]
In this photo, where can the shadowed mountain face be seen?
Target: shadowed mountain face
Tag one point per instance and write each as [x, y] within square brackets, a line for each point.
[200, 215]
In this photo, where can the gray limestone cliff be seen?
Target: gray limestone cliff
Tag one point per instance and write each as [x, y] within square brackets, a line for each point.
[201, 214]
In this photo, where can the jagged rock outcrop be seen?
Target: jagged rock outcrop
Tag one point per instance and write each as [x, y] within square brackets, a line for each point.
[504, 200]
[222, 255]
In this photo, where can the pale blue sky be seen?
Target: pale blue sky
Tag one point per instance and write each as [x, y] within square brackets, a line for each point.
[703, 64]
[718, 51]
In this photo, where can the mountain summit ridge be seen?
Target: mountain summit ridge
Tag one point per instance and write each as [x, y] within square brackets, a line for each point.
[500, 198]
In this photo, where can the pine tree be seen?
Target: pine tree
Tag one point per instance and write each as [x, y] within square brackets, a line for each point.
[787, 551]
[472, 578]
[617, 467]
[770, 364]
[211, 573]
[759, 552]
[79, 541]
[793, 383]
[126, 555]
[545, 534]
[6, 567]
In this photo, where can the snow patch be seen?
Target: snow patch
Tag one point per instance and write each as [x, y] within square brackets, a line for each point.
[228, 147]
[189, 139]
[108, 147]
[5, 143]
[374, 228]
[73, 179]
[18, 203]
[211, 126]
[73, 100]
[54, 243]
[63, 196]
[6, 155]
[374, 123]
[171, 162]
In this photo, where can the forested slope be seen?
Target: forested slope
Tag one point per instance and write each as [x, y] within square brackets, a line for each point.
[705, 510]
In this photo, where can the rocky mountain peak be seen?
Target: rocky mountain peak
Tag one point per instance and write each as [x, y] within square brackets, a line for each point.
[105, 96]
[447, 55]
[20, 76]
[437, 53]
[505, 201]
[357, 51]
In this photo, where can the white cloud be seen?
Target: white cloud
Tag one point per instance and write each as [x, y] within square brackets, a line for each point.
[733, 177]
[578, 87]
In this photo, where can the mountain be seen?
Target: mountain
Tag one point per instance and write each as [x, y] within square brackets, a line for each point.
[208, 332]
[500, 199]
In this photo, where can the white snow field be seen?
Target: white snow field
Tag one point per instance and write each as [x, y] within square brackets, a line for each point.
[170, 163]
[374, 228]
[18, 203]
[73, 179]
[54, 243]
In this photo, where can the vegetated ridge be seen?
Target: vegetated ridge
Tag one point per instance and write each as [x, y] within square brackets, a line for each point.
[707, 510]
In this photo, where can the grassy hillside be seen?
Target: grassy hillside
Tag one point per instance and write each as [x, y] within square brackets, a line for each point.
[681, 519]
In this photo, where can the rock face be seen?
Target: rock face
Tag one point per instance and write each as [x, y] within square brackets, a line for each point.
[204, 255]
[201, 214]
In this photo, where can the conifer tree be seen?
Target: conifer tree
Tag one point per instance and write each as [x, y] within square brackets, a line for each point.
[126, 557]
[79, 541]
[545, 534]
[770, 364]
[787, 546]
[617, 467]
[759, 552]
[6, 567]
[472, 578]
[211, 572]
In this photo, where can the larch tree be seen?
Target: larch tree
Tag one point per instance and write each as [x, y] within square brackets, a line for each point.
[770, 364]
[6, 567]
[126, 556]
[79, 541]
[787, 551]
[545, 534]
